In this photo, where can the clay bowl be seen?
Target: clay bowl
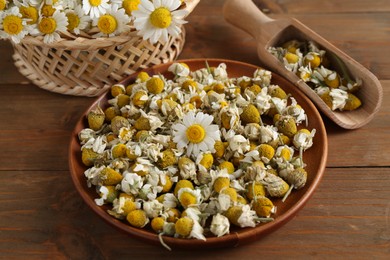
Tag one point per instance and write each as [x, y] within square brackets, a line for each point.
[315, 158]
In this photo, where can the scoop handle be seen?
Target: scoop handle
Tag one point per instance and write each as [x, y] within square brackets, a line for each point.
[247, 16]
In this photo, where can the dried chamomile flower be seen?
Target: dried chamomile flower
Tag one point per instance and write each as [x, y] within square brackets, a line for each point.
[250, 114]
[254, 189]
[241, 215]
[137, 218]
[263, 207]
[117, 123]
[286, 125]
[123, 205]
[182, 184]
[188, 197]
[179, 69]
[275, 186]
[107, 195]
[297, 179]
[89, 156]
[220, 225]
[155, 85]
[110, 176]
[352, 102]
[96, 118]
[303, 139]
[188, 227]
[187, 168]
[157, 224]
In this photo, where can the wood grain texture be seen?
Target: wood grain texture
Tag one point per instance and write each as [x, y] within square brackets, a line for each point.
[348, 217]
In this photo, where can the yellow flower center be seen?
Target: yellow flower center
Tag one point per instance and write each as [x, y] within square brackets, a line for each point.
[130, 5]
[187, 199]
[12, 24]
[184, 226]
[47, 25]
[73, 21]
[47, 10]
[29, 13]
[195, 133]
[95, 2]
[3, 4]
[161, 17]
[107, 24]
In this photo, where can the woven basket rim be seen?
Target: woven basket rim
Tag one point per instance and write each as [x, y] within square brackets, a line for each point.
[86, 42]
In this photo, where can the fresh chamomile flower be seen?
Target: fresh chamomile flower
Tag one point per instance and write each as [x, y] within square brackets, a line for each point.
[95, 8]
[195, 133]
[157, 19]
[113, 22]
[12, 25]
[128, 5]
[77, 20]
[51, 26]
[29, 10]
[3, 5]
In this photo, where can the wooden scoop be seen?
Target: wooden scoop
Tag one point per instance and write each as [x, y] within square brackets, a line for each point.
[269, 32]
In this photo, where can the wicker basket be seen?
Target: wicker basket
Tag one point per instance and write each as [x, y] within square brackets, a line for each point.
[87, 67]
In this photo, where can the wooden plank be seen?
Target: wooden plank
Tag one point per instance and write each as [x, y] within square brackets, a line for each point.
[365, 146]
[35, 127]
[42, 216]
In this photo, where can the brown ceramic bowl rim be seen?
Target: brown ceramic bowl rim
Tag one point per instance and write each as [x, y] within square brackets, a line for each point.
[238, 236]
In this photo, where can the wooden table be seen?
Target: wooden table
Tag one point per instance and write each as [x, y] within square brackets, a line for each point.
[42, 216]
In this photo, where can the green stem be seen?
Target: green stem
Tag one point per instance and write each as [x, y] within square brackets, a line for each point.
[287, 193]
